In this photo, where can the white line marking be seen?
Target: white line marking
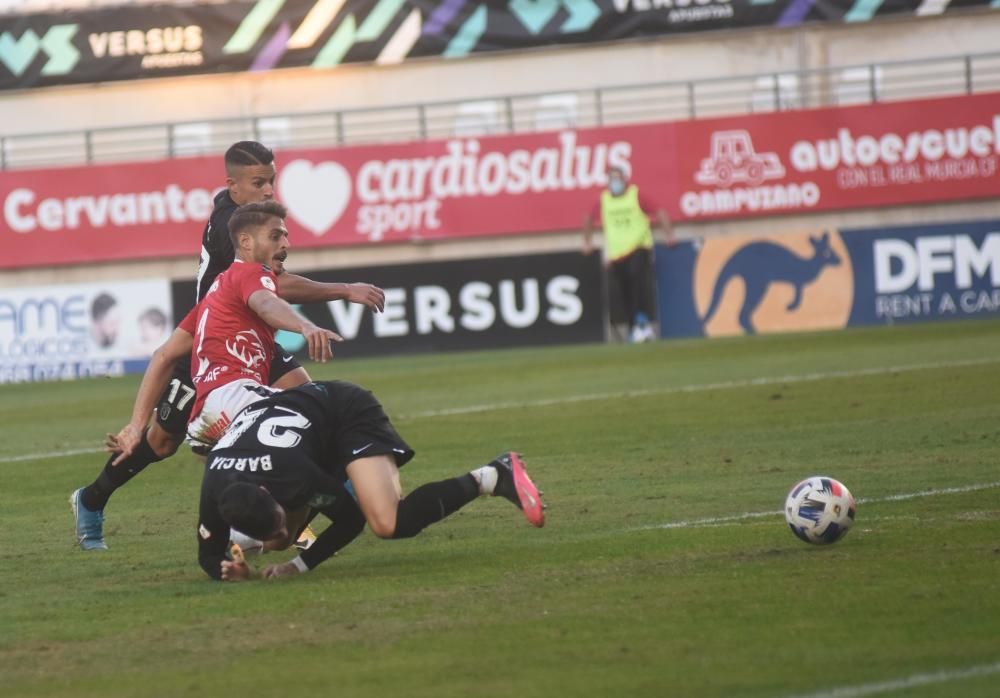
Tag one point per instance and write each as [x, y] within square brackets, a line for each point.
[568, 399]
[870, 689]
[53, 454]
[930, 493]
[725, 520]
[700, 387]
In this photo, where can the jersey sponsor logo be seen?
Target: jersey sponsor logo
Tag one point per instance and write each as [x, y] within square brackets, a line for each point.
[208, 375]
[262, 463]
[247, 347]
[204, 532]
[364, 448]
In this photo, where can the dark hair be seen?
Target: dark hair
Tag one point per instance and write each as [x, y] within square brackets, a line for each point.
[254, 214]
[247, 154]
[101, 305]
[154, 316]
[249, 509]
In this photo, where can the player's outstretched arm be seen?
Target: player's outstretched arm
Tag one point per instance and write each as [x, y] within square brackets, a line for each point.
[348, 523]
[154, 382]
[298, 289]
[213, 539]
[281, 316]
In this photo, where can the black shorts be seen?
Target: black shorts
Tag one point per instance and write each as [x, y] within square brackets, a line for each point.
[362, 429]
[324, 425]
[173, 411]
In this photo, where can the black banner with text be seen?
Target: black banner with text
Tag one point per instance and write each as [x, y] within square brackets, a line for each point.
[488, 303]
[143, 41]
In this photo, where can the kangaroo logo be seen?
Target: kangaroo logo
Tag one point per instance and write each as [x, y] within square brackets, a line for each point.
[760, 264]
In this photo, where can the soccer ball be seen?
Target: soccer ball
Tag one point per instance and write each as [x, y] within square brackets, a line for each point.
[820, 510]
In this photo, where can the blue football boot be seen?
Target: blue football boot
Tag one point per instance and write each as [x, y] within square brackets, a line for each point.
[89, 524]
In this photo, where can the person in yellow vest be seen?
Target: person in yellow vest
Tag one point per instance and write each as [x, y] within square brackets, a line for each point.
[628, 247]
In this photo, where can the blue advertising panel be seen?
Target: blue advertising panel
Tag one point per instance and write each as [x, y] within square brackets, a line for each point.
[829, 279]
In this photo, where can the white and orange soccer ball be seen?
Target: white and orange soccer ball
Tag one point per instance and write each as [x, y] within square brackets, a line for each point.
[820, 510]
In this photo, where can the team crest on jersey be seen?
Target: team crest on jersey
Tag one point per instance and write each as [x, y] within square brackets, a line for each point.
[247, 347]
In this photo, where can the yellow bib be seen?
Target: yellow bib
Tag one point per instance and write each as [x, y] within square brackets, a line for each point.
[626, 226]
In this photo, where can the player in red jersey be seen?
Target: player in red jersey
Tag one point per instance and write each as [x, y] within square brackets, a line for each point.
[250, 176]
[231, 332]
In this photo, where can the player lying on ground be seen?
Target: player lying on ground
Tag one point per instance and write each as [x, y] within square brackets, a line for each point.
[299, 448]
[250, 175]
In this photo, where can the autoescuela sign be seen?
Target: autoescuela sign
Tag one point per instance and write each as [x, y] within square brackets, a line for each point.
[795, 161]
[760, 165]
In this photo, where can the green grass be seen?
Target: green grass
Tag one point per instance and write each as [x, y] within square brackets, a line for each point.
[599, 602]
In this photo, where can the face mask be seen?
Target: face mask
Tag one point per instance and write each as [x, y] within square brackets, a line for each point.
[616, 186]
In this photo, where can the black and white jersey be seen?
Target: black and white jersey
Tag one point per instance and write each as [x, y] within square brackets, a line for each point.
[296, 444]
[217, 251]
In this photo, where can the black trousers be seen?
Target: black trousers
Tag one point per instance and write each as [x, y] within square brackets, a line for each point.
[633, 274]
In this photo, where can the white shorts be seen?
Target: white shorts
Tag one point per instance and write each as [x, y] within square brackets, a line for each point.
[220, 408]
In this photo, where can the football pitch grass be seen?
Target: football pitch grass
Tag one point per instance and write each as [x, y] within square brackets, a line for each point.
[664, 568]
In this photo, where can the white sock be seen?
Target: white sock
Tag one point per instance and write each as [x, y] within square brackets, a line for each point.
[486, 477]
[251, 546]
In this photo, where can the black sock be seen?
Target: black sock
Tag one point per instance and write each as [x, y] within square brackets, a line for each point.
[95, 495]
[348, 523]
[432, 502]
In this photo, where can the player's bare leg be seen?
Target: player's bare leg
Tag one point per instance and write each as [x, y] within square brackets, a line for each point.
[376, 483]
[163, 443]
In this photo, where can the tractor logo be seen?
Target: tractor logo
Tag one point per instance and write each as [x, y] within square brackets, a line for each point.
[733, 161]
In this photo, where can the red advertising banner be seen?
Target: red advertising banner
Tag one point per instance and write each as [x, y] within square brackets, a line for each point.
[854, 157]
[760, 165]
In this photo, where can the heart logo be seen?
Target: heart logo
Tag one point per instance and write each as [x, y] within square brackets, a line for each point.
[316, 195]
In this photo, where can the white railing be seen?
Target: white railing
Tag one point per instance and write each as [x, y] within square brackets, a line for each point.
[620, 104]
